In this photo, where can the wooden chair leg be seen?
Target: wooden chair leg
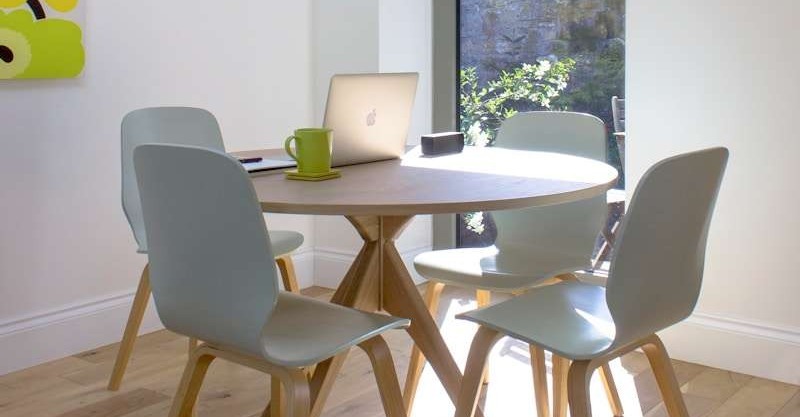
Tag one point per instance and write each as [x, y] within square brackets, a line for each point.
[193, 342]
[321, 386]
[193, 375]
[665, 376]
[289, 279]
[560, 370]
[275, 407]
[416, 362]
[135, 317]
[539, 370]
[297, 393]
[383, 366]
[616, 211]
[277, 395]
[611, 390]
[603, 253]
[484, 298]
[580, 374]
[471, 384]
[286, 266]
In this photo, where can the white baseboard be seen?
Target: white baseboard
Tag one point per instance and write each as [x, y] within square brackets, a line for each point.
[304, 267]
[40, 338]
[330, 265]
[56, 334]
[760, 349]
[744, 346]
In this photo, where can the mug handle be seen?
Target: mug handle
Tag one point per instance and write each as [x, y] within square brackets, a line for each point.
[288, 148]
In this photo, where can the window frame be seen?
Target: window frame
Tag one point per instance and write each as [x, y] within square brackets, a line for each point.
[445, 47]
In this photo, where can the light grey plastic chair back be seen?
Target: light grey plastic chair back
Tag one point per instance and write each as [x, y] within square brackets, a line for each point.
[180, 125]
[211, 264]
[655, 277]
[564, 228]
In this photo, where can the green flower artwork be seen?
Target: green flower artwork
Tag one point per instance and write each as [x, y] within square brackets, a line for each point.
[40, 39]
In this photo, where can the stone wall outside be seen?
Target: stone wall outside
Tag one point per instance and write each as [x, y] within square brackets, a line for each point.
[500, 34]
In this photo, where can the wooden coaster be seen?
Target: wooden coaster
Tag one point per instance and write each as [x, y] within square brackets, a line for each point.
[292, 174]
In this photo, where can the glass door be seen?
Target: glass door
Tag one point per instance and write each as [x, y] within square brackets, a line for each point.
[526, 55]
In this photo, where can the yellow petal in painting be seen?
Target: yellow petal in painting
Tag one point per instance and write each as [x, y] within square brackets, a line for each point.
[60, 5]
[5, 4]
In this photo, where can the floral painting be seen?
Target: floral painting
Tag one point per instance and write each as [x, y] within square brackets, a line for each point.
[41, 38]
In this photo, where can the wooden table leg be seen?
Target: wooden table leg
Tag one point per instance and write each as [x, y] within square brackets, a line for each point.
[378, 280]
[401, 298]
[359, 289]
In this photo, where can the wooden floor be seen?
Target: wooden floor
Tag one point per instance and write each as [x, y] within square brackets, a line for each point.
[75, 386]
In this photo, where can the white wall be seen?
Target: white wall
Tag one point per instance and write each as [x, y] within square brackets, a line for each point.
[369, 36]
[68, 264]
[67, 258]
[721, 72]
[344, 40]
[405, 46]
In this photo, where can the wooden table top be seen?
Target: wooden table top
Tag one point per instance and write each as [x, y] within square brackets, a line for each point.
[478, 179]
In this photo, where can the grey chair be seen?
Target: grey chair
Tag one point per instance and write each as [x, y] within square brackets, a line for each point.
[654, 283]
[534, 246]
[616, 198]
[180, 125]
[214, 279]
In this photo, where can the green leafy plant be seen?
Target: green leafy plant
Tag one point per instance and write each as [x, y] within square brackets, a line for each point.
[483, 108]
[602, 77]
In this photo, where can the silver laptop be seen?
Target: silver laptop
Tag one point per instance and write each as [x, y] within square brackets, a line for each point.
[369, 114]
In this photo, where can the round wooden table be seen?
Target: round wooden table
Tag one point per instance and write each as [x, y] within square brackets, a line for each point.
[381, 198]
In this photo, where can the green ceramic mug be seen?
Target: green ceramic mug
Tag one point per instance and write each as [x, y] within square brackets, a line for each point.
[312, 149]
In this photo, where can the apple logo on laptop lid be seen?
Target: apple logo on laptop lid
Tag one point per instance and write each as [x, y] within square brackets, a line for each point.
[371, 117]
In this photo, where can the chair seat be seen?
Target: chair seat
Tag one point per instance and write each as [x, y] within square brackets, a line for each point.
[303, 331]
[570, 319]
[283, 242]
[495, 270]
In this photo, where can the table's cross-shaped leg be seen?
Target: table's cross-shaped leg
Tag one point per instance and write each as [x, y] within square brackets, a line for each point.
[360, 287]
[378, 280]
